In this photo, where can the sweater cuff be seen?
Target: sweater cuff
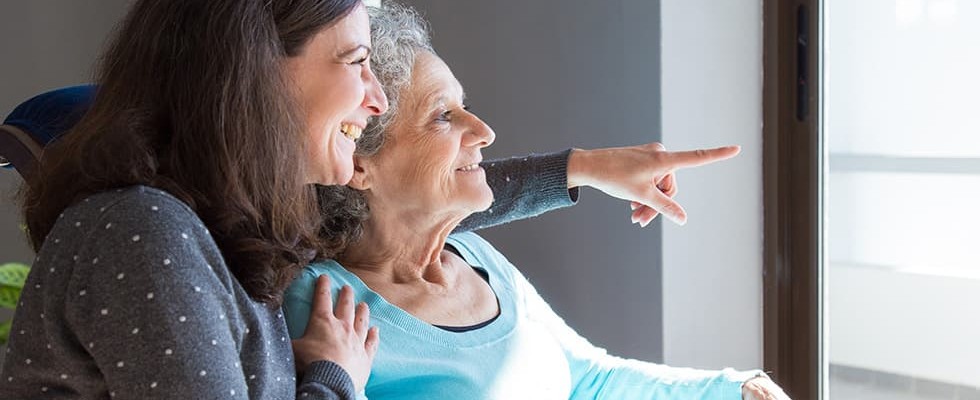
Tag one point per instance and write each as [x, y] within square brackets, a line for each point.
[553, 178]
[331, 375]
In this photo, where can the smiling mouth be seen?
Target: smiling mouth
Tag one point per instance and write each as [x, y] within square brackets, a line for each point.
[470, 168]
[353, 132]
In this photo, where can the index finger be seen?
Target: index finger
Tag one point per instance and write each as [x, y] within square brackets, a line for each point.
[695, 158]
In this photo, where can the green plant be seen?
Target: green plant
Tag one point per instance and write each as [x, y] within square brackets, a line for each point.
[12, 278]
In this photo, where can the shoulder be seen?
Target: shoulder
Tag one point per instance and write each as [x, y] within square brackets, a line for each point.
[298, 299]
[136, 208]
[141, 205]
[137, 229]
[134, 220]
[302, 287]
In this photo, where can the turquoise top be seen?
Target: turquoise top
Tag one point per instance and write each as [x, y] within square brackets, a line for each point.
[528, 352]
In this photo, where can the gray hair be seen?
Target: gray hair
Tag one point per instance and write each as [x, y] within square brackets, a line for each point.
[398, 35]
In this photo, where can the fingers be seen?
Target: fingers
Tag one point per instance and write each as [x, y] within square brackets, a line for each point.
[644, 215]
[361, 317]
[762, 388]
[372, 341]
[345, 311]
[694, 158]
[322, 301]
[663, 204]
[345, 305]
[668, 185]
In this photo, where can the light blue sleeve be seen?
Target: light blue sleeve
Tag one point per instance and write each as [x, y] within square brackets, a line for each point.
[598, 375]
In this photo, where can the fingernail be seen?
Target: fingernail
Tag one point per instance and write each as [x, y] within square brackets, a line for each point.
[632, 219]
[678, 220]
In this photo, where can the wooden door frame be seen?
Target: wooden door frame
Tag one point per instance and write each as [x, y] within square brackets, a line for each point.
[792, 164]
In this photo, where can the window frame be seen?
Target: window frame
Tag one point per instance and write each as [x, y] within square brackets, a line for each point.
[792, 165]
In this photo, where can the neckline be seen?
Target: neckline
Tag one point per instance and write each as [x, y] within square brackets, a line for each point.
[495, 330]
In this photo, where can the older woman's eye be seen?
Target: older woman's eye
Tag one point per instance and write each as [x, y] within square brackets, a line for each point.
[444, 116]
[361, 61]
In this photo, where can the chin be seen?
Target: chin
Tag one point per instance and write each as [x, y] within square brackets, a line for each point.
[474, 197]
[342, 170]
[336, 176]
[486, 200]
[342, 180]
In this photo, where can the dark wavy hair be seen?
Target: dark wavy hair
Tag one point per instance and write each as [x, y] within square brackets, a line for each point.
[193, 100]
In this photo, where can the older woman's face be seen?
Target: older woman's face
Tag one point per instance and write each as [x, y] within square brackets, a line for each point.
[429, 162]
[338, 92]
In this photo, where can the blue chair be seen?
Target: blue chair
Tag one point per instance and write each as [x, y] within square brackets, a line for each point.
[39, 121]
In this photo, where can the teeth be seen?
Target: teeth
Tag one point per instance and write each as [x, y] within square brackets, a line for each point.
[353, 132]
[471, 167]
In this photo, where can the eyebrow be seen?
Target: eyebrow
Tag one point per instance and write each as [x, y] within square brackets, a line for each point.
[436, 98]
[350, 52]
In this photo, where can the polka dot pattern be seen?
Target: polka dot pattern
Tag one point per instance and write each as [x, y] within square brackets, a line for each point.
[148, 295]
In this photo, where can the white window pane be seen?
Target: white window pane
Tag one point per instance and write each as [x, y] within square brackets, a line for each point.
[902, 77]
[918, 326]
[922, 223]
[902, 278]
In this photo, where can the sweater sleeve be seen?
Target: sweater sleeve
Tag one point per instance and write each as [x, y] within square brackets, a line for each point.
[157, 314]
[524, 187]
[325, 380]
[598, 375]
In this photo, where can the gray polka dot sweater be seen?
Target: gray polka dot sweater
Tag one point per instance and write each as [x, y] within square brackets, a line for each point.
[130, 298]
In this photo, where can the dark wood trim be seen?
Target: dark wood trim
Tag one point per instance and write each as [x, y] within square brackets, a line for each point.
[19, 149]
[791, 180]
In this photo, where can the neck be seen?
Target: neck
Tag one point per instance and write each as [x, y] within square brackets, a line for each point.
[401, 246]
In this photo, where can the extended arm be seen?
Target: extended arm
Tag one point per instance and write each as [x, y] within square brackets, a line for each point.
[524, 187]
[597, 375]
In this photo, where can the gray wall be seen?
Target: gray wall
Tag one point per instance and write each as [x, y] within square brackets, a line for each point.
[712, 96]
[45, 44]
[553, 74]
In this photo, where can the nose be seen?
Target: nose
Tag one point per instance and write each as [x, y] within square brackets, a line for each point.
[374, 96]
[480, 134]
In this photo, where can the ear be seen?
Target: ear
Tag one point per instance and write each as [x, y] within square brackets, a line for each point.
[361, 179]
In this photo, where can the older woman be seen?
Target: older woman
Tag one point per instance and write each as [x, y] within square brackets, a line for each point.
[458, 320]
[171, 218]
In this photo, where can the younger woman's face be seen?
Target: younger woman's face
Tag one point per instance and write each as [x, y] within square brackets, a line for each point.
[338, 93]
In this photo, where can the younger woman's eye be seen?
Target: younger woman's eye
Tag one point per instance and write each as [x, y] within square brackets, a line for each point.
[360, 61]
